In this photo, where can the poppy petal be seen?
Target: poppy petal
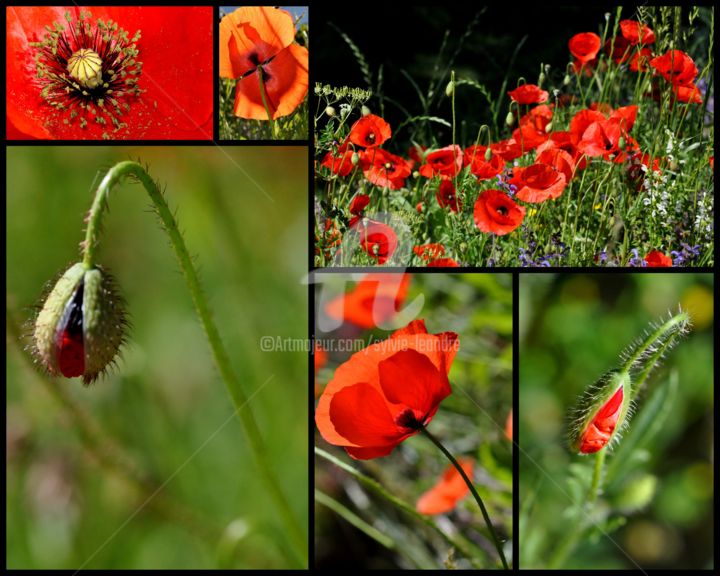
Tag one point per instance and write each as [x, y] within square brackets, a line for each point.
[359, 414]
[371, 452]
[409, 378]
[286, 84]
[251, 35]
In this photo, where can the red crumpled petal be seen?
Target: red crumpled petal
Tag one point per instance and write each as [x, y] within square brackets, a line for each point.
[286, 84]
[251, 35]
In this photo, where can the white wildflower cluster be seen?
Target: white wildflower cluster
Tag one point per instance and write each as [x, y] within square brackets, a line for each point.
[704, 217]
[658, 190]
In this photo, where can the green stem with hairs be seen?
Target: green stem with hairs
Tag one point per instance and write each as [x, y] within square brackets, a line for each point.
[239, 398]
[493, 534]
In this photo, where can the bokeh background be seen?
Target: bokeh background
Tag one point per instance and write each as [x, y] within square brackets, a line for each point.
[165, 407]
[658, 489]
[470, 422]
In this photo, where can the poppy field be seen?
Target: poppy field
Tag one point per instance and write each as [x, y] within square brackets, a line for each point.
[263, 73]
[413, 450]
[616, 421]
[603, 157]
[109, 73]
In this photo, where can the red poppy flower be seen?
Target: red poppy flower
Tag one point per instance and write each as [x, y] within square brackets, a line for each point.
[257, 49]
[387, 392]
[581, 121]
[508, 150]
[374, 300]
[496, 212]
[618, 48]
[377, 239]
[445, 162]
[657, 259]
[539, 117]
[480, 166]
[636, 32]
[429, 251]
[357, 207]
[585, 46]
[384, 169]
[447, 196]
[124, 73]
[640, 61]
[339, 162]
[538, 182]
[528, 94]
[369, 131]
[676, 67]
[687, 93]
[529, 137]
[448, 491]
[557, 158]
[443, 263]
[601, 139]
[638, 164]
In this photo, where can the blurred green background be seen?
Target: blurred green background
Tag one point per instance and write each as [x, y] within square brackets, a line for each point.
[242, 211]
[470, 422]
[658, 487]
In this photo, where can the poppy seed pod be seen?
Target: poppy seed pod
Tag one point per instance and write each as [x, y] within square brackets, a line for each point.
[81, 324]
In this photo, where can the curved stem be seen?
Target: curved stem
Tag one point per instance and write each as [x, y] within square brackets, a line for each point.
[263, 95]
[239, 398]
[496, 540]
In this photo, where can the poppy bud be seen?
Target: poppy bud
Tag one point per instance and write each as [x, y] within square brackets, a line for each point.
[365, 110]
[81, 324]
[510, 118]
[541, 79]
[330, 111]
[548, 128]
[416, 174]
[355, 158]
[566, 80]
[600, 413]
[450, 89]
[488, 155]
[621, 143]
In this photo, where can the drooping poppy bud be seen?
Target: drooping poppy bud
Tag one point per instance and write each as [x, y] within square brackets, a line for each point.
[601, 413]
[81, 324]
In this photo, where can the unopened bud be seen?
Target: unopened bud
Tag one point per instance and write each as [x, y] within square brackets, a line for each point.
[365, 110]
[567, 80]
[548, 127]
[510, 118]
[488, 154]
[81, 324]
[450, 89]
[330, 111]
[355, 158]
[621, 143]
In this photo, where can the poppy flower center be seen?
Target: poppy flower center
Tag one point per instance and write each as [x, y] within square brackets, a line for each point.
[502, 210]
[371, 137]
[88, 71]
[86, 67]
[406, 419]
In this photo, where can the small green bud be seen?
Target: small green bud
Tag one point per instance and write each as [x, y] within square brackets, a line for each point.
[621, 143]
[330, 111]
[365, 110]
[355, 158]
[450, 89]
[567, 80]
[488, 154]
[548, 128]
[510, 118]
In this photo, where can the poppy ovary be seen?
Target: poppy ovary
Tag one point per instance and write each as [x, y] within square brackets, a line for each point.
[85, 66]
[81, 324]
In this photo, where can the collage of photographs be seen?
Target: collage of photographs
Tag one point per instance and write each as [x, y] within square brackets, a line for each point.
[389, 302]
